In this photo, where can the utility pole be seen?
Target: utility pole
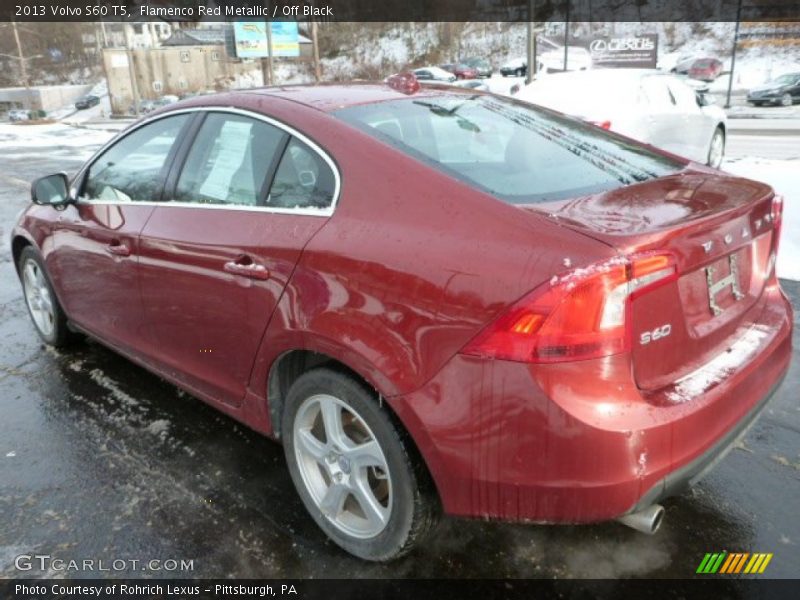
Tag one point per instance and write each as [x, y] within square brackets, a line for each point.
[266, 62]
[566, 38]
[131, 67]
[315, 45]
[22, 66]
[733, 54]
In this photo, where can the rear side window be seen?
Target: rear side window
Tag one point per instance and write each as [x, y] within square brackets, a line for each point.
[303, 179]
[229, 161]
[520, 154]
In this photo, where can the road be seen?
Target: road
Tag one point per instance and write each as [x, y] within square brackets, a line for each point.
[101, 459]
[765, 138]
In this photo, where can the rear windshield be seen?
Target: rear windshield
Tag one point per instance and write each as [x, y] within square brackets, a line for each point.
[520, 154]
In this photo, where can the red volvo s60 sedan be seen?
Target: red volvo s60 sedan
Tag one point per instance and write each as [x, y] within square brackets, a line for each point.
[437, 300]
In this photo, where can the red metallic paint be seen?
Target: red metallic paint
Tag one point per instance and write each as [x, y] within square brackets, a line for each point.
[408, 269]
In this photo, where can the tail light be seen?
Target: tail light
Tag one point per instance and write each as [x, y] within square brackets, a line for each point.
[777, 220]
[776, 216]
[602, 124]
[575, 316]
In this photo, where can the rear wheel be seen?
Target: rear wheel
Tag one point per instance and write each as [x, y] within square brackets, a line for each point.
[519, 72]
[46, 313]
[354, 468]
[716, 150]
[786, 100]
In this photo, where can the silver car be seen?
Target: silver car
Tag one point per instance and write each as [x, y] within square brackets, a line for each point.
[647, 105]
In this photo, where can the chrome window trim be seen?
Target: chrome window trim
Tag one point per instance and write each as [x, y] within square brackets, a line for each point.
[320, 212]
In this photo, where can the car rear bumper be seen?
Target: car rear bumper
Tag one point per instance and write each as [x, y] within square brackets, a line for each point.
[578, 442]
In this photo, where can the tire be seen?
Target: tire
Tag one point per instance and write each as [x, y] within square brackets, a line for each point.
[397, 486]
[519, 73]
[786, 99]
[44, 309]
[716, 149]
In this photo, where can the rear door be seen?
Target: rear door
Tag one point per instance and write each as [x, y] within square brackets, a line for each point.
[697, 128]
[215, 259]
[96, 239]
[665, 122]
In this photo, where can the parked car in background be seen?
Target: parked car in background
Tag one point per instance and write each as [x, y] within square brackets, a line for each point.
[433, 74]
[472, 84]
[578, 59]
[460, 70]
[166, 100]
[482, 65]
[682, 63]
[148, 106]
[705, 69]
[19, 114]
[504, 313]
[783, 90]
[516, 66]
[87, 102]
[647, 105]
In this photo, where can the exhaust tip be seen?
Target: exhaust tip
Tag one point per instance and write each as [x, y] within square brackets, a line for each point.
[647, 520]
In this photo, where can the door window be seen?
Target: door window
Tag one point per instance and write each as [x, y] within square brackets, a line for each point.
[229, 161]
[134, 168]
[303, 179]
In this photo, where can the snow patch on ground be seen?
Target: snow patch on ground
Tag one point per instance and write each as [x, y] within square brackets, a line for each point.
[110, 385]
[50, 135]
[784, 177]
[159, 428]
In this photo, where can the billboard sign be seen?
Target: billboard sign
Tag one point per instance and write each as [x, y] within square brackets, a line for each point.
[633, 51]
[285, 38]
[250, 39]
[600, 51]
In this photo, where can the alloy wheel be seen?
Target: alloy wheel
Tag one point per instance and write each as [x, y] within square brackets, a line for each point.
[716, 150]
[786, 100]
[342, 466]
[37, 295]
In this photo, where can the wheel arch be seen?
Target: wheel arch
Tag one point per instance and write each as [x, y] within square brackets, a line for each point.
[18, 243]
[290, 365]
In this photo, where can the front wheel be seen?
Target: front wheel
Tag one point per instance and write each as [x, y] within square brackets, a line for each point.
[354, 468]
[46, 313]
[786, 100]
[716, 150]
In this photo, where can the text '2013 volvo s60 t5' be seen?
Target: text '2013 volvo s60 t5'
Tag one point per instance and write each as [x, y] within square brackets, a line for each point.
[436, 300]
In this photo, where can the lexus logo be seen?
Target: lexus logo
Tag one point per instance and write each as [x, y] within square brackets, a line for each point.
[597, 46]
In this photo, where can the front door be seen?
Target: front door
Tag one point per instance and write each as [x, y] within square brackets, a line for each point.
[97, 239]
[216, 258]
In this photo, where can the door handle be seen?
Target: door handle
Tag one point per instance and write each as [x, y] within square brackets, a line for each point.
[245, 267]
[117, 248]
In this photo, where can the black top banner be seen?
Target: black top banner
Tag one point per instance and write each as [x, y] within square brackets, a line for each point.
[538, 11]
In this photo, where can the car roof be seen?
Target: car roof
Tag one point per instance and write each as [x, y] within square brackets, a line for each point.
[331, 97]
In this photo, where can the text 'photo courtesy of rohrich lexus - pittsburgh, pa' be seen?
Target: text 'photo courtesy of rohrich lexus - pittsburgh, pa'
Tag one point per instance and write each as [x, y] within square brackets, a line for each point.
[438, 300]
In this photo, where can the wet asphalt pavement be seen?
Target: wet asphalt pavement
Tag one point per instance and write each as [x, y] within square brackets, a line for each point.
[101, 459]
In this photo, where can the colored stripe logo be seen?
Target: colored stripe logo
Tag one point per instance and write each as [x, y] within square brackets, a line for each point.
[734, 562]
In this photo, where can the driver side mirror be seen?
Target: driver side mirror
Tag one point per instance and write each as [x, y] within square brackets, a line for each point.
[51, 190]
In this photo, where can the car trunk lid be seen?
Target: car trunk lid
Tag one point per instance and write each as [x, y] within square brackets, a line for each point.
[718, 228]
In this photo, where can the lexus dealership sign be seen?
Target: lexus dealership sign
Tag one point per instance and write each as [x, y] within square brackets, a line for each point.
[639, 51]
